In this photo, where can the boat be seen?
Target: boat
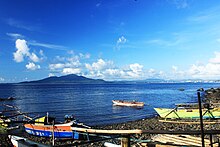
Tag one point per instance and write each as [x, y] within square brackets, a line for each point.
[188, 111]
[127, 103]
[46, 127]
[18, 141]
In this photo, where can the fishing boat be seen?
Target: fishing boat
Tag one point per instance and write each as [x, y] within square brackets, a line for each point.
[127, 103]
[46, 127]
[188, 111]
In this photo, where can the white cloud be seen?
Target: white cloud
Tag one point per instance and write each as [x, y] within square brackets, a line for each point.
[24, 51]
[114, 72]
[136, 68]
[71, 71]
[174, 68]
[207, 71]
[121, 40]
[15, 35]
[86, 56]
[68, 65]
[216, 59]
[2, 79]
[47, 45]
[211, 70]
[134, 71]
[32, 66]
[99, 65]
[34, 57]
[107, 70]
[56, 66]
[51, 75]
[71, 62]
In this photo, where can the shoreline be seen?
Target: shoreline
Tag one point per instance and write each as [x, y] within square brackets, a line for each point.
[143, 124]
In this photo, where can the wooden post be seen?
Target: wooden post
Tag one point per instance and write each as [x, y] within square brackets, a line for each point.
[201, 120]
[125, 141]
[53, 136]
[211, 144]
[47, 118]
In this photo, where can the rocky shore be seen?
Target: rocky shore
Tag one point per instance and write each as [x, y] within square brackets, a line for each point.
[213, 95]
[143, 124]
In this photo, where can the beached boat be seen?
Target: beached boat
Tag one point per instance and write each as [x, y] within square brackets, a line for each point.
[188, 111]
[127, 103]
[18, 141]
[46, 127]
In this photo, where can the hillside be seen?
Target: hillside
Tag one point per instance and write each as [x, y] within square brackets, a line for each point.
[67, 79]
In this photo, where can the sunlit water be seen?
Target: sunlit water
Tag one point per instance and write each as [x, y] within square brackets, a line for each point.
[92, 103]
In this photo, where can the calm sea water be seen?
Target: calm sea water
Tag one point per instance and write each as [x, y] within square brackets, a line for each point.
[92, 104]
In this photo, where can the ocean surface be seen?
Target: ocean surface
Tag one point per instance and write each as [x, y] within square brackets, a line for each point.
[92, 103]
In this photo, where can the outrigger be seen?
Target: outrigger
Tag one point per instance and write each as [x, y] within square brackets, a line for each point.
[189, 111]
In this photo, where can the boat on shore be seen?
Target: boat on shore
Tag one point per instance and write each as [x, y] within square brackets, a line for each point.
[18, 141]
[46, 127]
[188, 111]
[127, 103]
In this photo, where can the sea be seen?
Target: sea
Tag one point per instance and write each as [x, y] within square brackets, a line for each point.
[92, 103]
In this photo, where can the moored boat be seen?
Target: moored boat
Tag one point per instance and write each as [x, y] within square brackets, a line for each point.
[187, 111]
[128, 103]
[46, 127]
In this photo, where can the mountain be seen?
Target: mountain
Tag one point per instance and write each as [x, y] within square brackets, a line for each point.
[68, 79]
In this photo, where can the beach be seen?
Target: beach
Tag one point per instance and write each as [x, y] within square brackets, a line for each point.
[143, 124]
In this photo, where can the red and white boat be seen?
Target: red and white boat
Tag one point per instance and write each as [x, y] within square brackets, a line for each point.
[127, 103]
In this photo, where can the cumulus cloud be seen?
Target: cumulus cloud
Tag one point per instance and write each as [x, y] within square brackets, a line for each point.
[56, 66]
[71, 71]
[68, 65]
[32, 66]
[211, 70]
[34, 57]
[135, 70]
[107, 70]
[99, 65]
[23, 51]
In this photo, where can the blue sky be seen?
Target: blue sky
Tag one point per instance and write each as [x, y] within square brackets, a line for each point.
[111, 40]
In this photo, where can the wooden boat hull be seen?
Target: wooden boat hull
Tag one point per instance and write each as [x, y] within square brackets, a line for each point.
[127, 103]
[59, 131]
[187, 113]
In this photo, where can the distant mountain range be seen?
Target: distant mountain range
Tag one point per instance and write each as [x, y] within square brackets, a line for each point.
[68, 79]
[75, 79]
